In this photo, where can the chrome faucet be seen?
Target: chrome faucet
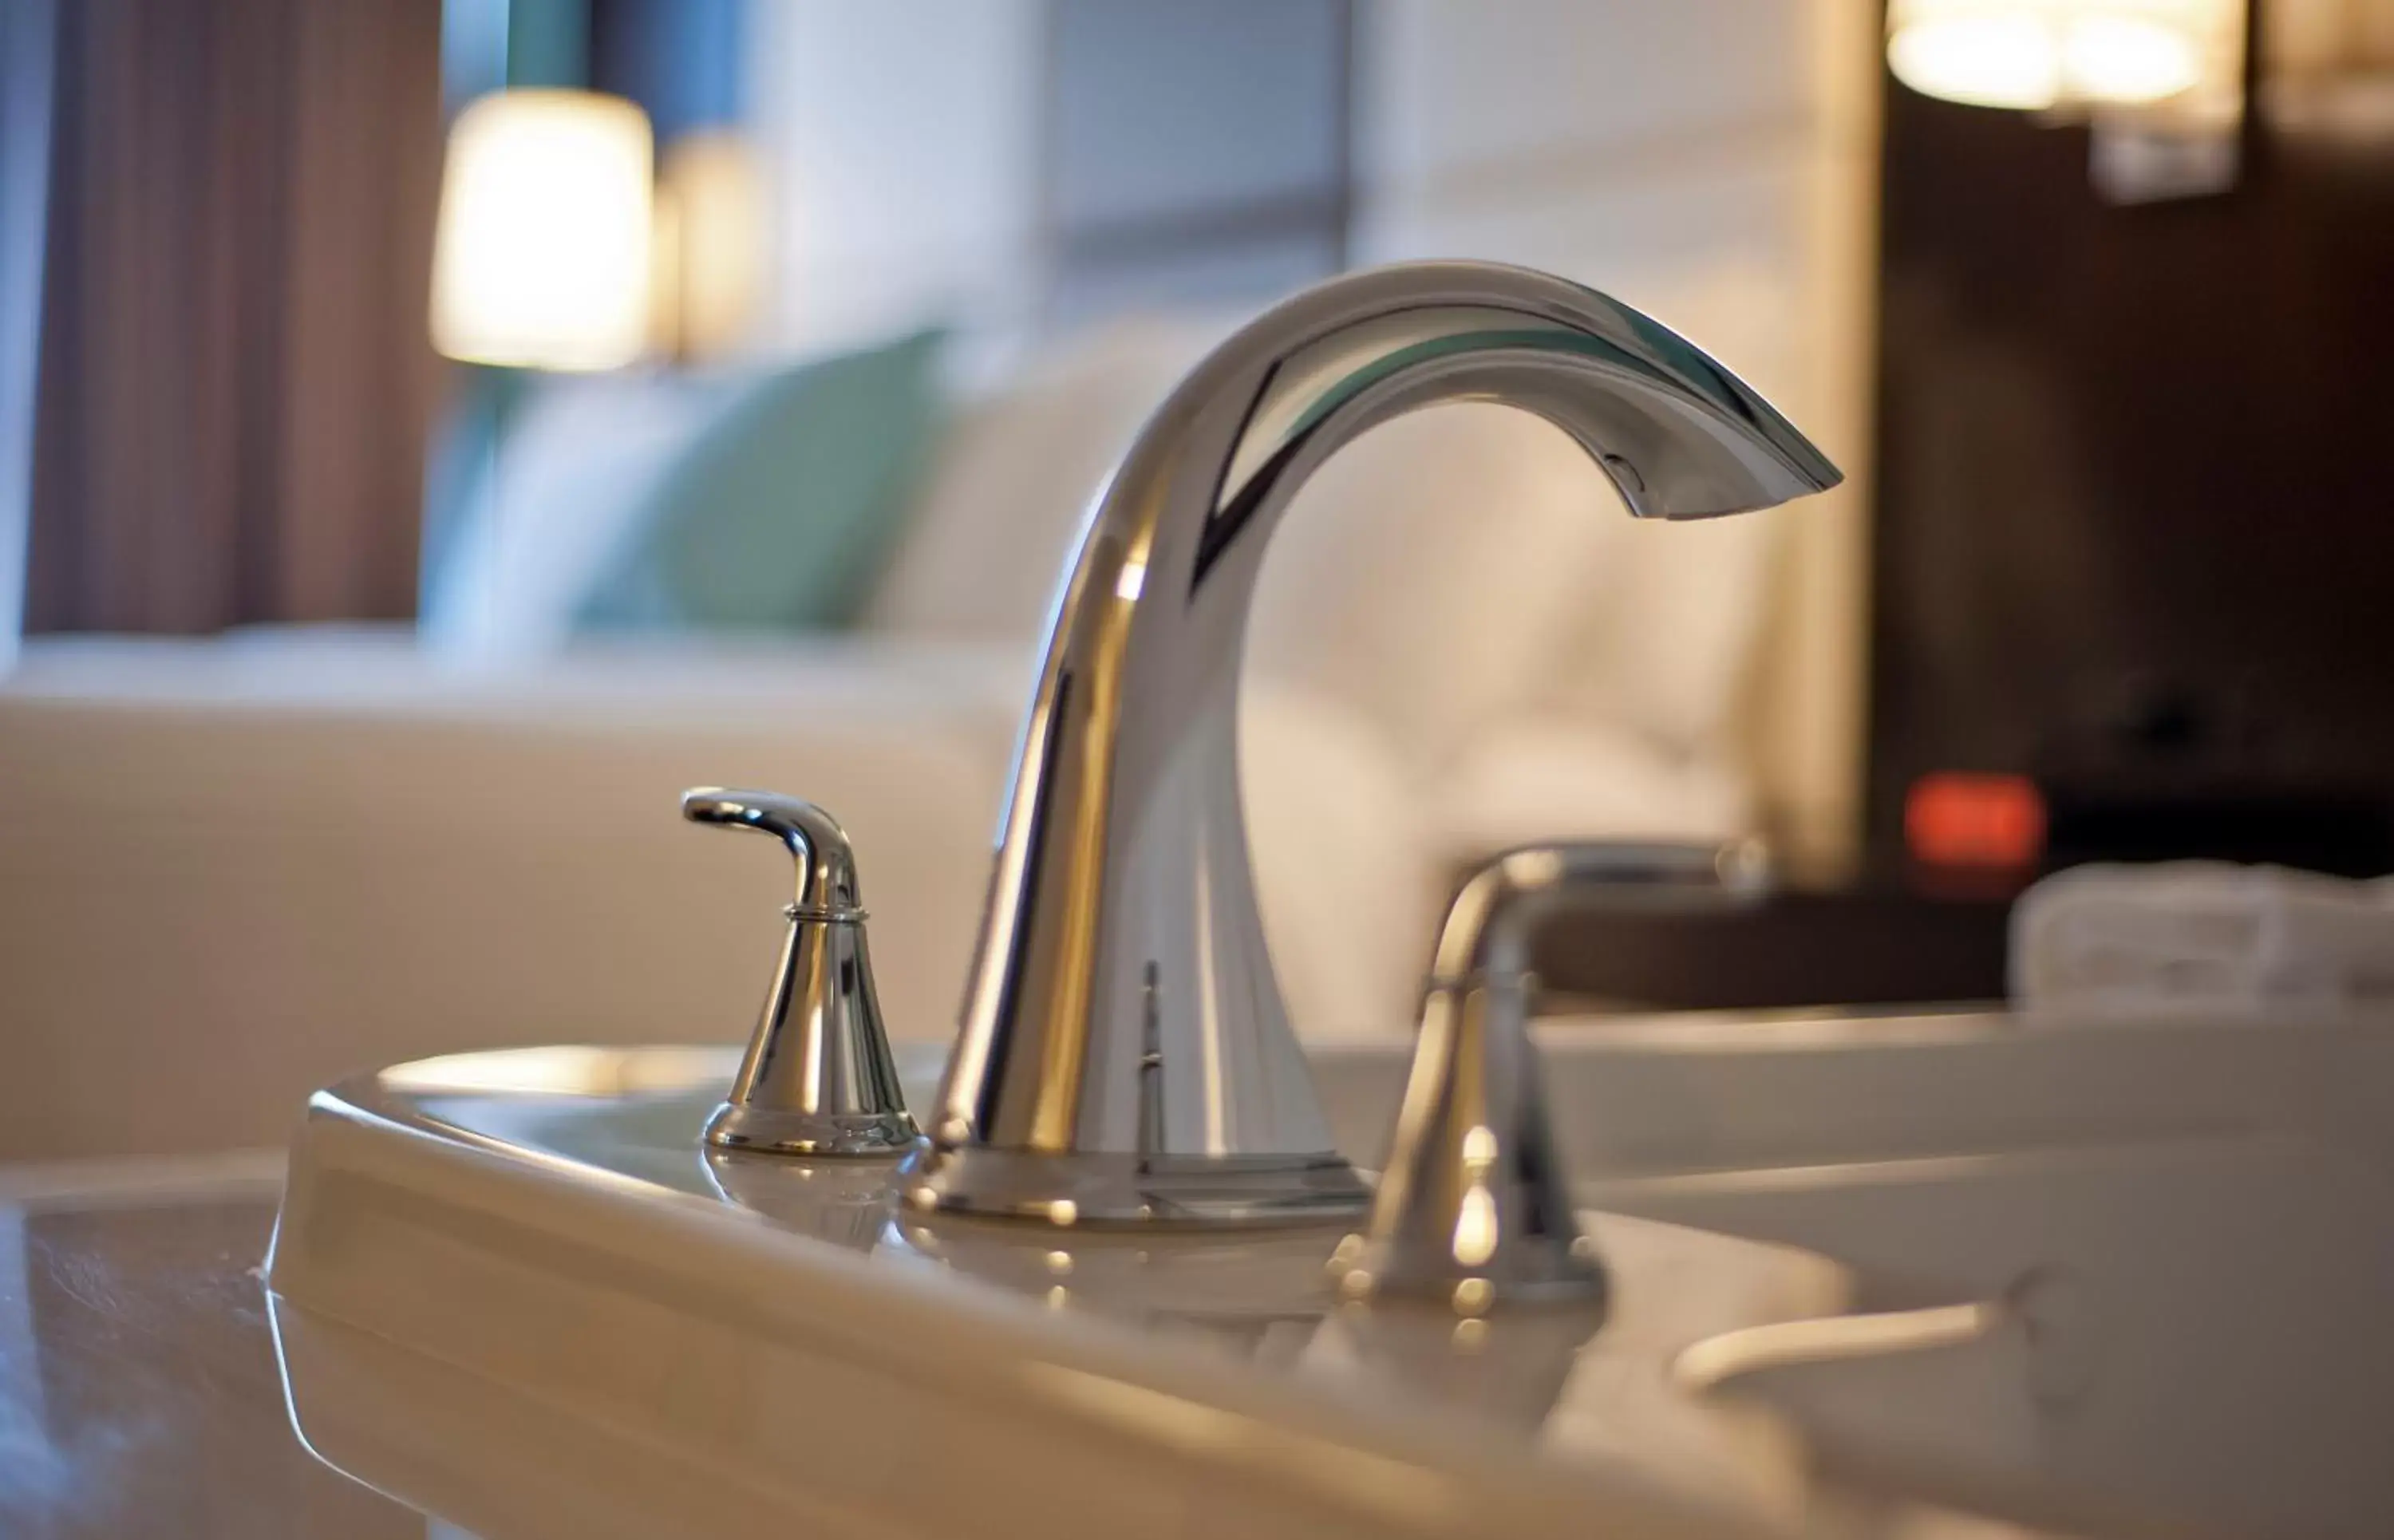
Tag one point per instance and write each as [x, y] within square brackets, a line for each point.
[818, 1078]
[1474, 1207]
[1124, 1055]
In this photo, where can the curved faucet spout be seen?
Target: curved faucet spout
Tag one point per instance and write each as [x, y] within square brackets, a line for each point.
[1124, 1055]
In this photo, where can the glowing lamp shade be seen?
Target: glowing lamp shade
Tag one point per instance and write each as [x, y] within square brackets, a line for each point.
[541, 256]
[2036, 54]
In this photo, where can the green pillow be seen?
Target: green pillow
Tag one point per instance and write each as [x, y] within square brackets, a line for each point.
[781, 513]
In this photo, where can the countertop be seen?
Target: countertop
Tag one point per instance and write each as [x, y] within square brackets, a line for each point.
[139, 1397]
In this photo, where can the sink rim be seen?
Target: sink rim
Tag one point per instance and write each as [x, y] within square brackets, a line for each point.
[1392, 1462]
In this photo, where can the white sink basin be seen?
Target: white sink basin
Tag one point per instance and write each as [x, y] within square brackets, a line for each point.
[2150, 1259]
[2189, 1227]
[2186, 1338]
[1706, 1091]
[511, 1290]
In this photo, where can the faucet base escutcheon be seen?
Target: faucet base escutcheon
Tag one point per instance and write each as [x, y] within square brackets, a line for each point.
[1096, 1189]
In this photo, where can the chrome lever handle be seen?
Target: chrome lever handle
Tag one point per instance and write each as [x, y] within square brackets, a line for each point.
[1473, 1204]
[818, 1078]
[1494, 915]
[826, 877]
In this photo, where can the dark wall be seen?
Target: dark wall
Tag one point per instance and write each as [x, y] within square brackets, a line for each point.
[2136, 523]
[680, 60]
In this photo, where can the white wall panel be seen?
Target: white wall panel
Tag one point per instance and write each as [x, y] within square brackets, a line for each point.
[903, 140]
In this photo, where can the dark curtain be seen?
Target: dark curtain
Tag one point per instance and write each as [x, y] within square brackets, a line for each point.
[234, 378]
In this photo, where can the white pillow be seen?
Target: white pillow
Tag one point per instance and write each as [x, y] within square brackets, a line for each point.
[1669, 647]
[1349, 901]
[1666, 646]
[1433, 574]
[1010, 486]
[1549, 777]
[1446, 572]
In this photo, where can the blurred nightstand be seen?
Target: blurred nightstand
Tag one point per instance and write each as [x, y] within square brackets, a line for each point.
[1801, 947]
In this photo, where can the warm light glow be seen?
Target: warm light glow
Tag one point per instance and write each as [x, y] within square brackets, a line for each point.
[2129, 59]
[1987, 55]
[1475, 1218]
[715, 189]
[1130, 582]
[1475, 1227]
[2036, 54]
[542, 258]
[561, 1071]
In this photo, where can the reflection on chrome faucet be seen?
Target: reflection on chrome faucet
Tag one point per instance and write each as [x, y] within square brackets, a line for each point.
[1125, 1056]
[1512, 1370]
[1257, 1297]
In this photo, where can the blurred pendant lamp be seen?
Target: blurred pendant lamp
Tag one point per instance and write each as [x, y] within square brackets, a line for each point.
[2042, 54]
[542, 257]
[2160, 80]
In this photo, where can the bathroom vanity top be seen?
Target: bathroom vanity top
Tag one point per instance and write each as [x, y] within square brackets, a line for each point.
[139, 1392]
[143, 1385]
[145, 1391]
[511, 1290]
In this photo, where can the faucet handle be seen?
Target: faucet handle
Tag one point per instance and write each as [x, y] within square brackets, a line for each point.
[818, 1078]
[1473, 1204]
[826, 865]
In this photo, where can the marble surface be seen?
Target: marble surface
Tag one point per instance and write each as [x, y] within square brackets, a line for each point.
[139, 1397]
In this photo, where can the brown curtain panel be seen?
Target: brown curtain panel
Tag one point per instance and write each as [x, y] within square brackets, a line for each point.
[234, 381]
